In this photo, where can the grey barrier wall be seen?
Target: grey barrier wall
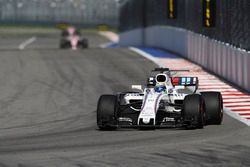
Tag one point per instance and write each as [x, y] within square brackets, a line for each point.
[170, 38]
[229, 62]
[133, 38]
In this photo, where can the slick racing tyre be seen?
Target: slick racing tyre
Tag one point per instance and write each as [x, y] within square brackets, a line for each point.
[84, 43]
[107, 112]
[64, 44]
[214, 107]
[193, 112]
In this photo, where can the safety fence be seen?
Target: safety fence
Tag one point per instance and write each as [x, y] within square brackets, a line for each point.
[224, 20]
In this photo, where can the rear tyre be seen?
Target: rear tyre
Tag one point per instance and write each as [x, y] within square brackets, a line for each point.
[107, 112]
[193, 112]
[214, 107]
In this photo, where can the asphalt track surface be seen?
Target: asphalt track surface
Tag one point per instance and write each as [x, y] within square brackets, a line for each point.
[48, 103]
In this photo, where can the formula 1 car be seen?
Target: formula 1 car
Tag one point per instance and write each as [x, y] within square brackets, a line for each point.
[71, 38]
[166, 101]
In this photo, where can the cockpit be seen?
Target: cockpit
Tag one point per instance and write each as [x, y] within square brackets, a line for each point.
[163, 81]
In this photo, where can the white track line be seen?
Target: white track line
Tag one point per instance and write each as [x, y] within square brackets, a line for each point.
[106, 45]
[241, 112]
[110, 35]
[245, 116]
[215, 87]
[236, 100]
[240, 102]
[221, 90]
[113, 37]
[27, 42]
[211, 84]
[239, 108]
[237, 116]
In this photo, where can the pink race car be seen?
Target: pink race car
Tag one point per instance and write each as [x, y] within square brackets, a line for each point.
[71, 38]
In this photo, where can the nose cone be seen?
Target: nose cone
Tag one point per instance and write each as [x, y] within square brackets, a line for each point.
[146, 120]
[74, 41]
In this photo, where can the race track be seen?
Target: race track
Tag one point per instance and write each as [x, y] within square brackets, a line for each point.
[48, 103]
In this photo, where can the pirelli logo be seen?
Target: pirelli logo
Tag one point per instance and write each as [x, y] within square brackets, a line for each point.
[209, 13]
[172, 9]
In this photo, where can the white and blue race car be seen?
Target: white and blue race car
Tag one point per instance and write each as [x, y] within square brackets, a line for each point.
[166, 101]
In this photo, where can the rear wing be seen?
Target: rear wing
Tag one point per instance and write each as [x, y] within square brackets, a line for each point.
[162, 70]
[185, 81]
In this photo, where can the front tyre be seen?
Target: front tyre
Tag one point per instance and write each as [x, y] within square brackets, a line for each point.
[84, 43]
[64, 44]
[107, 112]
[193, 112]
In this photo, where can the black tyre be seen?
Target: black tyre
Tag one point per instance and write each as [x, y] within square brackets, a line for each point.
[64, 44]
[107, 112]
[64, 33]
[214, 107]
[84, 43]
[193, 112]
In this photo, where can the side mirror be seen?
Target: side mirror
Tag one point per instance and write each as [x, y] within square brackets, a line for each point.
[137, 87]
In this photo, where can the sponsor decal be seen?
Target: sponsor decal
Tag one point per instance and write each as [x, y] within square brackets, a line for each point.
[194, 81]
[209, 13]
[172, 9]
[183, 81]
[188, 81]
[170, 90]
[148, 91]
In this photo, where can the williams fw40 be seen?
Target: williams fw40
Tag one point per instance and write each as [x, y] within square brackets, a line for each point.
[71, 38]
[166, 101]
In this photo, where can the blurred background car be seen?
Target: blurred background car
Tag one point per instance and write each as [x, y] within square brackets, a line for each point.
[72, 38]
